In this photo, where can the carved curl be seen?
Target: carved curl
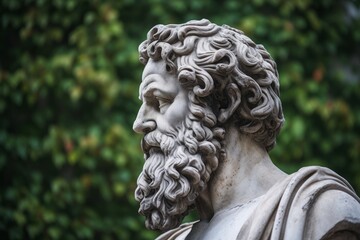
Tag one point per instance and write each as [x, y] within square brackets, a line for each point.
[209, 60]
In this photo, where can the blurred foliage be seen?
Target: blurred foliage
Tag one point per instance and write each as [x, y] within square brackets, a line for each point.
[69, 75]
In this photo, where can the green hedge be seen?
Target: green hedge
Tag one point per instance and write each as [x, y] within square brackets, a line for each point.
[69, 75]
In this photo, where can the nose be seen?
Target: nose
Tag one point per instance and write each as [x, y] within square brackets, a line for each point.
[142, 123]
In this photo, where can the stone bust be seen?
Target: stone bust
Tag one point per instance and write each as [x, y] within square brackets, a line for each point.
[211, 112]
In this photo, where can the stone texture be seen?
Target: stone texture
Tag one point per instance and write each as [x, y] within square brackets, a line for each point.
[211, 112]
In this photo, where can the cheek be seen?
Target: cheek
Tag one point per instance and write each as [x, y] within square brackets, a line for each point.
[177, 112]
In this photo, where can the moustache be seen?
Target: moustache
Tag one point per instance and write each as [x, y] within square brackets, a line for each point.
[157, 140]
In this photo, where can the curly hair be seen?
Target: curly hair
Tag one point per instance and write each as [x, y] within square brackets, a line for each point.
[217, 63]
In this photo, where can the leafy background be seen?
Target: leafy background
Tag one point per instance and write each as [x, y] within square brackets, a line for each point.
[69, 75]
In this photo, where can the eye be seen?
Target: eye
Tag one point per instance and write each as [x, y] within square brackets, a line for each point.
[164, 103]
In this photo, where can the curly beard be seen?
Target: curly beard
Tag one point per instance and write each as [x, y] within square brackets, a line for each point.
[176, 170]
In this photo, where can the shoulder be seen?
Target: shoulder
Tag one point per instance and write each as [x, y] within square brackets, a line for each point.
[335, 215]
[320, 205]
[178, 233]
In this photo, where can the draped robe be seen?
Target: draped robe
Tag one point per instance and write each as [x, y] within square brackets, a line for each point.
[313, 203]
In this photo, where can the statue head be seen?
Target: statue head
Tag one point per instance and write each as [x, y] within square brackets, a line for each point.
[199, 78]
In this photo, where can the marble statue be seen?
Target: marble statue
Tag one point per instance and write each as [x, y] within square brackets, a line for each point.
[211, 112]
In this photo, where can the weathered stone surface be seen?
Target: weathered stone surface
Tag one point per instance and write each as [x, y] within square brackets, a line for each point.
[211, 112]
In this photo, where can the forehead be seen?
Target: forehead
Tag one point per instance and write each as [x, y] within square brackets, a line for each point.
[154, 67]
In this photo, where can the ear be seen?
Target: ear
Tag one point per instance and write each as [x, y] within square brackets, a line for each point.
[234, 99]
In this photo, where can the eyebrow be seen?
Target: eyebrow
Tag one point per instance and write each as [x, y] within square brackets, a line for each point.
[145, 89]
[157, 92]
[143, 85]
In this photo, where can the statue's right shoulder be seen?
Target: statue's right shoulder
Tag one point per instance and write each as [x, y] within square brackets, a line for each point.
[178, 233]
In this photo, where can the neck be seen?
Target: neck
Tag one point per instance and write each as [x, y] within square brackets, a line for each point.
[246, 173]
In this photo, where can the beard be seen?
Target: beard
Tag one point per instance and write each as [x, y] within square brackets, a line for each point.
[176, 170]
